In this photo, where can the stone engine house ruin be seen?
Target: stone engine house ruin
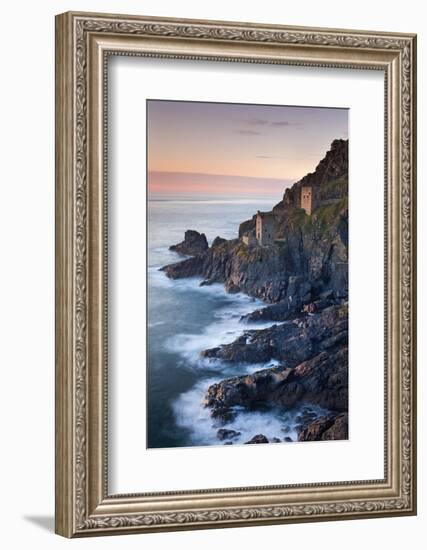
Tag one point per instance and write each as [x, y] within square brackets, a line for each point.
[265, 231]
[306, 199]
[265, 228]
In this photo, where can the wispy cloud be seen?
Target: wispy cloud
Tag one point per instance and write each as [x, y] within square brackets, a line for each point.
[266, 122]
[256, 121]
[248, 132]
[263, 123]
[272, 157]
[282, 123]
[289, 157]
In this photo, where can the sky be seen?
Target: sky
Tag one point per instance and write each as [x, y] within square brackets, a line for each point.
[198, 148]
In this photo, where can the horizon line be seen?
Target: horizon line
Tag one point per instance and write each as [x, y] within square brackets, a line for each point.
[218, 175]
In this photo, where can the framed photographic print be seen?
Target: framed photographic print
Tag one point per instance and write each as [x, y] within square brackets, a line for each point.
[235, 274]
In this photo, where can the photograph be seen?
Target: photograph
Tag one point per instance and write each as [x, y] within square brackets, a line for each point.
[247, 273]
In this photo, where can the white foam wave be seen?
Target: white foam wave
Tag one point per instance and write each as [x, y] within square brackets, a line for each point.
[158, 279]
[193, 416]
[226, 326]
[156, 324]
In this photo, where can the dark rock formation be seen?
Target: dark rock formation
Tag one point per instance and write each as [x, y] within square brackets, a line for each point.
[314, 369]
[194, 243]
[218, 241]
[259, 438]
[223, 416]
[284, 311]
[306, 416]
[291, 342]
[339, 429]
[332, 426]
[297, 270]
[223, 433]
[247, 226]
[187, 268]
[321, 380]
[325, 181]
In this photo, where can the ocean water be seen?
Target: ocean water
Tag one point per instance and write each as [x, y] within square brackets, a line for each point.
[184, 319]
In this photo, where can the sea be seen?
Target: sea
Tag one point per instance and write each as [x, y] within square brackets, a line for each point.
[185, 318]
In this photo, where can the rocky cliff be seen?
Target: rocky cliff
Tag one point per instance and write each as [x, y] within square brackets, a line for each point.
[328, 181]
[194, 243]
[313, 365]
[303, 278]
[310, 255]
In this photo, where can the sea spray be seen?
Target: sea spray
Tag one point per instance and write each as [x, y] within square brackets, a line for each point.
[276, 425]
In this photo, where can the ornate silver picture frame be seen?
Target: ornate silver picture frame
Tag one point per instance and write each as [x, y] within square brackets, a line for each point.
[84, 505]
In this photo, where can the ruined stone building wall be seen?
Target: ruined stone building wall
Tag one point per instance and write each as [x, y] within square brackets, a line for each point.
[306, 199]
[265, 229]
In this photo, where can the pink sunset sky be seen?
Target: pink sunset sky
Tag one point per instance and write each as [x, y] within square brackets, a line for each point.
[224, 149]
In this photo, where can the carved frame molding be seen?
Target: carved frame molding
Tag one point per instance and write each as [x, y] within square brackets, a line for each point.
[83, 42]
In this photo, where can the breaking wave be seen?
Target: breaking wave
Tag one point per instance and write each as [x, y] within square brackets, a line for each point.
[276, 425]
[225, 327]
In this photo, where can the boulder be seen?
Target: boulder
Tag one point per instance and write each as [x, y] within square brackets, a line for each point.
[328, 427]
[194, 243]
[259, 438]
[223, 433]
[223, 416]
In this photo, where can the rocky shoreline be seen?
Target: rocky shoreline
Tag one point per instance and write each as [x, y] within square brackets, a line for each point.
[303, 278]
[313, 369]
